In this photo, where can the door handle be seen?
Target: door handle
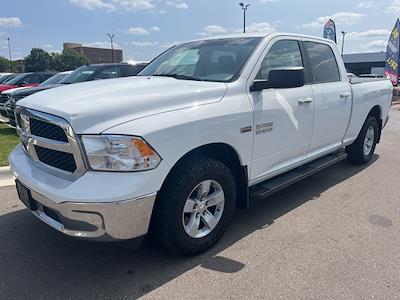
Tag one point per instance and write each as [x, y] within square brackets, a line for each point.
[345, 95]
[305, 101]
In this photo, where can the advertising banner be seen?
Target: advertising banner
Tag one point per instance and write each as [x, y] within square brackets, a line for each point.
[392, 55]
[330, 30]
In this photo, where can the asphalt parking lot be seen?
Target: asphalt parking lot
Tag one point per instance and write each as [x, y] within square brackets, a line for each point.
[333, 235]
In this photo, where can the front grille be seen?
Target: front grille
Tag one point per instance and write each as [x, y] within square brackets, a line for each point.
[57, 159]
[47, 130]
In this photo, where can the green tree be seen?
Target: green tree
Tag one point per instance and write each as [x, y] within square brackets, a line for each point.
[38, 60]
[56, 63]
[4, 64]
[70, 60]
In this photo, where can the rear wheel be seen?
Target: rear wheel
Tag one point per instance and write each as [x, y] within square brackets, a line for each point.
[362, 149]
[195, 206]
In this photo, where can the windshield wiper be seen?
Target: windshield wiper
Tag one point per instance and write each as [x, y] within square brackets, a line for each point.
[178, 76]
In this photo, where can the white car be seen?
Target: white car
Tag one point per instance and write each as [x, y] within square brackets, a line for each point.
[205, 127]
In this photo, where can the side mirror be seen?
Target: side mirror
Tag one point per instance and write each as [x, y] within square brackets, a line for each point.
[281, 79]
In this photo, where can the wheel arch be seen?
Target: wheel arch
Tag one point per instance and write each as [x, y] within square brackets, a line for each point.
[230, 157]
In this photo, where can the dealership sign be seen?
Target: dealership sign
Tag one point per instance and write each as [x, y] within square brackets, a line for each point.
[392, 55]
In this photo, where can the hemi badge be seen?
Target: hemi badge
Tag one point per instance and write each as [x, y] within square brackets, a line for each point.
[246, 129]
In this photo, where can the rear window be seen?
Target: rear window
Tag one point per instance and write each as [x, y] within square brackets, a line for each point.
[323, 63]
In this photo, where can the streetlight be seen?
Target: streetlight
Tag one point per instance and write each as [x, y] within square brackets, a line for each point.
[344, 34]
[111, 36]
[244, 8]
[9, 52]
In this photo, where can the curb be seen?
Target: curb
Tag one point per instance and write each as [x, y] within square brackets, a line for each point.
[6, 178]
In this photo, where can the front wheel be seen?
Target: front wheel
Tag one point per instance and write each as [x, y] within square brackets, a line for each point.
[362, 149]
[195, 206]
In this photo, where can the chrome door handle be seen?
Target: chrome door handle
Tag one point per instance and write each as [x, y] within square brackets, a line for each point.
[345, 95]
[306, 100]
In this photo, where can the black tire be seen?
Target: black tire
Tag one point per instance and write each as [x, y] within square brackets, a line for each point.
[355, 151]
[167, 224]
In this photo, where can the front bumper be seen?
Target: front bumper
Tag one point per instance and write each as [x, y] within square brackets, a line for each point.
[96, 221]
[97, 205]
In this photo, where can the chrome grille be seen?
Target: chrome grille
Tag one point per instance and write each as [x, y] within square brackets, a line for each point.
[50, 141]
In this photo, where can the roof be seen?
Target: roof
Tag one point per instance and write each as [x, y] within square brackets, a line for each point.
[364, 57]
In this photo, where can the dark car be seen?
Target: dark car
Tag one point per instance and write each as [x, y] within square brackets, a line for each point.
[84, 73]
[4, 77]
[26, 79]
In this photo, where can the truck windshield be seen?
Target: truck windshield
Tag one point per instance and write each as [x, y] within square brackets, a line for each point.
[219, 60]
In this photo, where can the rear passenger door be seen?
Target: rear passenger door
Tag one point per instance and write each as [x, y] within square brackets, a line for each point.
[332, 99]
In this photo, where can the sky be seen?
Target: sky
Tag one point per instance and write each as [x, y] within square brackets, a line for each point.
[144, 28]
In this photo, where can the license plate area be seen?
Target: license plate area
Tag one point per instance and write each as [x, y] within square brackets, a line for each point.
[25, 196]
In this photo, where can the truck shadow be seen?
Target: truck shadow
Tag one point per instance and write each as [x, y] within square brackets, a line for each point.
[38, 262]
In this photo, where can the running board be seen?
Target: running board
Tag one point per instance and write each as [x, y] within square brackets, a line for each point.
[279, 182]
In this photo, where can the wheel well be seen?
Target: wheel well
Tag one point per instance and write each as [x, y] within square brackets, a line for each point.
[377, 113]
[230, 158]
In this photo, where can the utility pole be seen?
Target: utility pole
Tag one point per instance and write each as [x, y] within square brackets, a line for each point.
[111, 36]
[244, 8]
[9, 52]
[344, 34]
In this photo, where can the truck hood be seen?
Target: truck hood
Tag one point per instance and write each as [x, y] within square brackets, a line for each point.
[95, 106]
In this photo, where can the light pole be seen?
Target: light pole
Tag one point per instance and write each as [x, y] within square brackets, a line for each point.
[9, 52]
[344, 34]
[244, 8]
[111, 36]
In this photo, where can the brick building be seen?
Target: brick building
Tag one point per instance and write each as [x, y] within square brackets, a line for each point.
[96, 55]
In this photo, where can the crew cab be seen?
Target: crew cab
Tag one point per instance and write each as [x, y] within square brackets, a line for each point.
[207, 126]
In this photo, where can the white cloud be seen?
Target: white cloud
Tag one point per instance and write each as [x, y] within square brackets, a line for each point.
[373, 33]
[215, 29]
[110, 5]
[138, 31]
[340, 18]
[144, 44]
[105, 45]
[263, 27]
[178, 5]
[93, 4]
[394, 8]
[135, 4]
[365, 4]
[377, 45]
[47, 46]
[10, 22]
[155, 28]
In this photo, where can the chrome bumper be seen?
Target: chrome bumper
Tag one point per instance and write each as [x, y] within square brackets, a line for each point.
[113, 221]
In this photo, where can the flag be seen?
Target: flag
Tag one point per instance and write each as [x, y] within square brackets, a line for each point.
[330, 30]
[392, 55]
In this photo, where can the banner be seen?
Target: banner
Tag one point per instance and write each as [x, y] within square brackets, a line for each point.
[392, 55]
[330, 30]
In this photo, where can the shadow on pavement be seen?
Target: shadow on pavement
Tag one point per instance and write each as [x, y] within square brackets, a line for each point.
[38, 262]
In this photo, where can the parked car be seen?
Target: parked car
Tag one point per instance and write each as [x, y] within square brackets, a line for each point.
[13, 95]
[4, 76]
[84, 73]
[371, 76]
[205, 127]
[26, 79]
[9, 78]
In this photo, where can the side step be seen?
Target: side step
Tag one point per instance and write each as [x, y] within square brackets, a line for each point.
[279, 182]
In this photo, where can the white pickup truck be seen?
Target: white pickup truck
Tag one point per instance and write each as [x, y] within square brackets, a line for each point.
[207, 125]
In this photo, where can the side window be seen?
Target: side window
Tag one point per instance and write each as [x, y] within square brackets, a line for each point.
[107, 73]
[323, 62]
[283, 54]
[32, 79]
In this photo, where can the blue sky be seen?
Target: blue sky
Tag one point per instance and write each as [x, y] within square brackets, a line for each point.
[144, 28]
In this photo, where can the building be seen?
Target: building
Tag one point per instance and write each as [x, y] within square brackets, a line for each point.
[365, 63]
[96, 55]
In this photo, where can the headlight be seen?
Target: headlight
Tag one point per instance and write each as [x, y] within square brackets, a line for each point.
[119, 153]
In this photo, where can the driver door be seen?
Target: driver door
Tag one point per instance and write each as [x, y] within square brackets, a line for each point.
[283, 118]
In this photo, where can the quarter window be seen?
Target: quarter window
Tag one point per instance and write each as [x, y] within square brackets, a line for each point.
[323, 62]
[283, 54]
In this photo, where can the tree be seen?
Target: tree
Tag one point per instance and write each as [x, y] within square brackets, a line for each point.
[70, 60]
[4, 64]
[38, 60]
[56, 63]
